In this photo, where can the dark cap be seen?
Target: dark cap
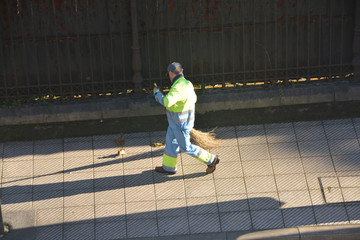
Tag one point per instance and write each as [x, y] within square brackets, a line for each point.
[175, 67]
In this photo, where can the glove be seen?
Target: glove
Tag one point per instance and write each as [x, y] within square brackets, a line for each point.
[156, 89]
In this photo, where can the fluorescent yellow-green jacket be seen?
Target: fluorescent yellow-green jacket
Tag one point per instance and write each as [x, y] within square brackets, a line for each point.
[180, 103]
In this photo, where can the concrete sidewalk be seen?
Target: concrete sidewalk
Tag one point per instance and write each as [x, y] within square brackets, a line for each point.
[272, 176]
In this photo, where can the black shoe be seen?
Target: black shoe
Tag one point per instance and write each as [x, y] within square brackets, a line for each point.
[211, 168]
[159, 169]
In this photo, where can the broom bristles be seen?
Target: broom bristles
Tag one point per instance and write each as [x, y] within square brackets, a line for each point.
[205, 140]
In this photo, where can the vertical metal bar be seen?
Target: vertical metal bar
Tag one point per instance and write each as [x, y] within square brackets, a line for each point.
[342, 38]
[25, 64]
[201, 48]
[57, 50]
[223, 50]
[287, 41]
[243, 36]
[190, 42]
[69, 63]
[319, 47]
[265, 41]
[158, 37]
[12, 53]
[356, 43]
[212, 60]
[122, 36]
[297, 39]
[254, 42]
[35, 57]
[78, 49]
[275, 47]
[90, 49]
[136, 59]
[233, 43]
[330, 42]
[111, 49]
[148, 41]
[3, 62]
[308, 42]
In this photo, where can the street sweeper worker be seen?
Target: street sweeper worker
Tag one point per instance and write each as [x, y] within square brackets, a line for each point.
[180, 110]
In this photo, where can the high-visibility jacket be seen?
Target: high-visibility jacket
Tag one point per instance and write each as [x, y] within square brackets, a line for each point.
[180, 103]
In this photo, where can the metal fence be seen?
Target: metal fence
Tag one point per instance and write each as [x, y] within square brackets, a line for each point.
[89, 47]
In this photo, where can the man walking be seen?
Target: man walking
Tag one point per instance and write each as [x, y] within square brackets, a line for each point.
[180, 110]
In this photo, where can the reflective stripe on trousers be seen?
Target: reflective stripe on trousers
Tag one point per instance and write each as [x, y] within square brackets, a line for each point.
[176, 140]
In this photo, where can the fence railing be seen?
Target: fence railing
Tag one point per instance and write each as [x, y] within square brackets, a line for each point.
[95, 48]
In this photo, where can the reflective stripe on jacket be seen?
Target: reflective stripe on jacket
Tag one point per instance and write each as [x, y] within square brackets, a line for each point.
[180, 104]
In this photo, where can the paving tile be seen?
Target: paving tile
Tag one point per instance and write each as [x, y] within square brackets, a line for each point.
[296, 217]
[18, 151]
[143, 161]
[204, 223]
[310, 133]
[233, 203]
[202, 205]
[170, 190]
[49, 232]
[344, 131]
[139, 177]
[307, 123]
[235, 221]
[349, 181]
[109, 180]
[228, 170]
[45, 217]
[278, 135]
[49, 199]
[227, 136]
[291, 182]
[137, 145]
[295, 199]
[249, 127]
[110, 230]
[16, 202]
[18, 169]
[80, 213]
[173, 225]
[313, 178]
[254, 152]
[317, 197]
[227, 154]
[109, 164]
[264, 201]
[267, 219]
[337, 121]
[171, 208]
[344, 147]
[16, 185]
[353, 211]
[78, 149]
[103, 196]
[144, 135]
[257, 168]
[314, 148]
[109, 212]
[79, 231]
[229, 186]
[277, 125]
[140, 210]
[196, 172]
[318, 164]
[48, 183]
[45, 167]
[148, 228]
[249, 137]
[79, 164]
[79, 197]
[48, 151]
[140, 193]
[105, 147]
[346, 162]
[330, 215]
[287, 165]
[351, 194]
[284, 150]
[195, 189]
[260, 184]
[78, 180]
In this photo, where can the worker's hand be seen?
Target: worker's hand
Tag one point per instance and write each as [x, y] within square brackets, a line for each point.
[156, 89]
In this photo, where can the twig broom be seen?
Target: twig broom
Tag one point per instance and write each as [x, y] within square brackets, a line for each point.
[205, 140]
